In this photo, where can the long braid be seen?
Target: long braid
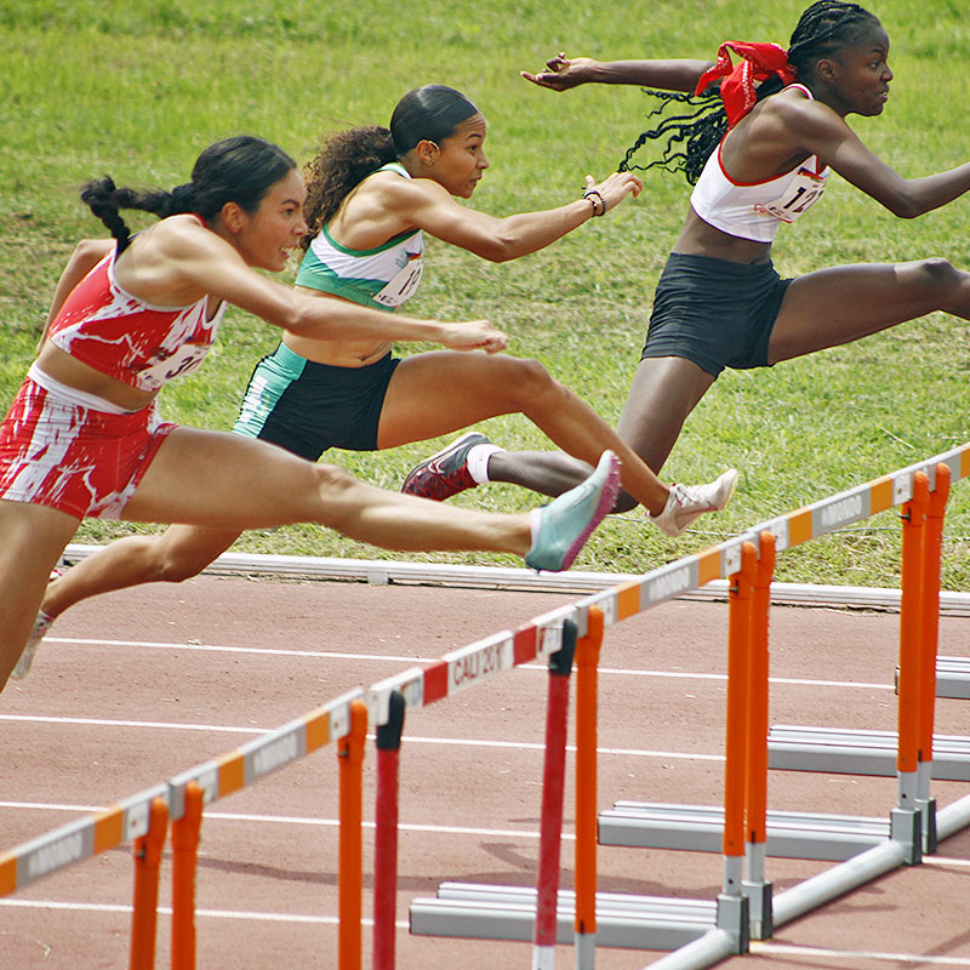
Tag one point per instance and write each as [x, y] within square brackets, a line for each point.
[690, 138]
[106, 199]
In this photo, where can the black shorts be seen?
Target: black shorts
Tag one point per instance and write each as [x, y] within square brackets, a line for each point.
[714, 312]
[307, 407]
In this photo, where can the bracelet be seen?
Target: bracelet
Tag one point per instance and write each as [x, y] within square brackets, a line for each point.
[592, 195]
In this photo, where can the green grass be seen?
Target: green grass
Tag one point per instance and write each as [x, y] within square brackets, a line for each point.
[137, 89]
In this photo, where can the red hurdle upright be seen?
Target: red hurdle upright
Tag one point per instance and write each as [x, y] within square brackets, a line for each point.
[385, 836]
[553, 786]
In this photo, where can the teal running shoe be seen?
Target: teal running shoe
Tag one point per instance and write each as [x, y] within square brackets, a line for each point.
[568, 521]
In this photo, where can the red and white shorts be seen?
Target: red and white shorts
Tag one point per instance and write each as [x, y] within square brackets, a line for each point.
[73, 458]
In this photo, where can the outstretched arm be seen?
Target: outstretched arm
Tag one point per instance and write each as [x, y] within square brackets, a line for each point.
[186, 257]
[823, 132]
[563, 73]
[425, 204]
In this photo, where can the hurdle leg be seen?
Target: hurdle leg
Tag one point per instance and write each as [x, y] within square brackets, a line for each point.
[350, 752]
[386, 834]
[553, 786]
[587, 676]
[910, 649]
[929, 646]
[144, 916]
[185, 850]
[732, 906]
[756, 887]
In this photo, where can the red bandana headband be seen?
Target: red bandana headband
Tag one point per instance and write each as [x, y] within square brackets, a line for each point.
[758, 63]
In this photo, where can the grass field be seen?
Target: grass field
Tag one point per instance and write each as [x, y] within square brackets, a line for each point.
[136, 89]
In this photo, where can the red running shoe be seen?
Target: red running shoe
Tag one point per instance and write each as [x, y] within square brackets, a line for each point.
[445, 473]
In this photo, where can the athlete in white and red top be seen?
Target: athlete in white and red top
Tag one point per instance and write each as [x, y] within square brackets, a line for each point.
[719, 302]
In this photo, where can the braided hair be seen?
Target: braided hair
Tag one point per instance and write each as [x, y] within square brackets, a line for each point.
[431, 113]
[690, 136]
[239, 169]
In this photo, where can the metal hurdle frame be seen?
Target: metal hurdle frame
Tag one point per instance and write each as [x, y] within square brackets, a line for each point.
[143, 820]
[699, 932]
[708, 934]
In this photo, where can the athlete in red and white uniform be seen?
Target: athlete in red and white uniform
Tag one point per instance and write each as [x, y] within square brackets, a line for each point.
[77, 452]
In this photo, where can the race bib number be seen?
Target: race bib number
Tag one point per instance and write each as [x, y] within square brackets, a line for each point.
[401, 288]
[185, 360]
[802, 193]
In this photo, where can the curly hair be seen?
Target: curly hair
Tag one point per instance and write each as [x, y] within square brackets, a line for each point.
[345, 159]
[239, 169]
[689, 137]
[432, 112]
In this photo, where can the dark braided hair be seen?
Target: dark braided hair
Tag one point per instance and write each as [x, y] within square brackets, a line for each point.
[240, 169]
[432, 113]
[689, 137]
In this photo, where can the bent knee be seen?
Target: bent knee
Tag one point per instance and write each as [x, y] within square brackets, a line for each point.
[531, 382]
[937, 274]
[178, 567]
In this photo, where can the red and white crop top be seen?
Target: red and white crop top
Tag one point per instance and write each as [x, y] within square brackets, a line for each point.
[128, 339]
[754, 210]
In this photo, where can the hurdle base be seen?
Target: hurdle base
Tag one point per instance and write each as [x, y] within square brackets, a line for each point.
[790, 835]
[623, 920]
[952, 677]
[840, 751]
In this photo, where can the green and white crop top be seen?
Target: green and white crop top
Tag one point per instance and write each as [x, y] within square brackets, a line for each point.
[754, 210]
[383, 278]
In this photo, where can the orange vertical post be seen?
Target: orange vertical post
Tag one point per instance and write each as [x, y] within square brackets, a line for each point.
[144, 916]
[910, 629]
[350, 752]
[587, 678]
[185, 851]
[739, 632]
[756, 773]
[930, 619]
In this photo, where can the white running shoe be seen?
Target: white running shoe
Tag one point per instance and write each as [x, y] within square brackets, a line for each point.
[41, 627]
[688, 502]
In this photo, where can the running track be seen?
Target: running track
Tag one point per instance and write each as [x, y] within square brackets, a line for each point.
[133, 688]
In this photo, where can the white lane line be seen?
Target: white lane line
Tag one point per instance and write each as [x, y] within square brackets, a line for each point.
[390, 658]
[853, 956]
[307, 820]
[409, 739]
[200, 913]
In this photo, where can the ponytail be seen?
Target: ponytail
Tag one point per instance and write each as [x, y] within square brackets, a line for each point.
[240, 169]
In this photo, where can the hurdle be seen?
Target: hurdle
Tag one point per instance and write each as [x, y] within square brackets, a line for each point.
[698, 931]
[745, 907]
[143, 819]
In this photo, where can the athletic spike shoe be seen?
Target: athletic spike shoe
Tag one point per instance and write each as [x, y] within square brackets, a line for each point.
[445, 473]
[568, 521]
[41, 627]
[688, 502]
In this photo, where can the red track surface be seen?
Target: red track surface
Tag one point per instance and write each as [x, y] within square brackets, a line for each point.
[122, 697]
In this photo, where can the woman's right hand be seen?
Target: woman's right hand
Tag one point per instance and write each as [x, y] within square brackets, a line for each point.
[614, 189]
[562, 72]
[474, 335]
